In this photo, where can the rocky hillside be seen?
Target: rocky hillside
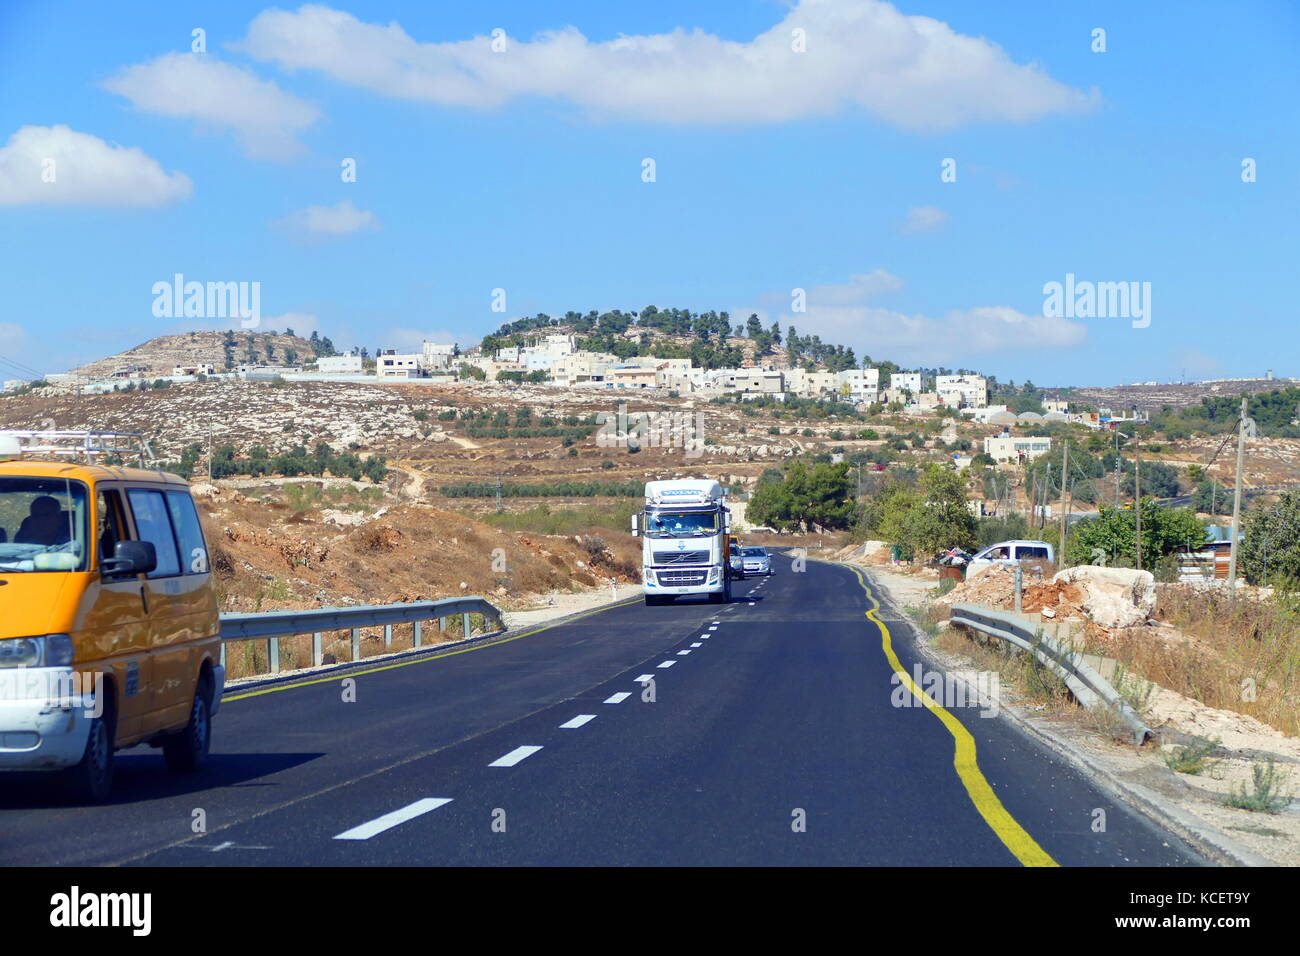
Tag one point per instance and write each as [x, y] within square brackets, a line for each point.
[164, 353]
[1152, 397]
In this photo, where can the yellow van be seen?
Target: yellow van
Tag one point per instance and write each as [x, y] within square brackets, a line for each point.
[109, 629]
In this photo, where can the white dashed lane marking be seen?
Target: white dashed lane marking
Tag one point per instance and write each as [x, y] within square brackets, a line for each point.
[577, 722]
[516, 755]
[644, 677]
[667, 663]
[618, 698]
[396, 818]
[697, 644]
[682, 653]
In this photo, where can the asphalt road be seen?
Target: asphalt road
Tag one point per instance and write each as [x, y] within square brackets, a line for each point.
[773, 737]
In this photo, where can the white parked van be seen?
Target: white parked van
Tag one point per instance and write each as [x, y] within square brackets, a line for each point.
[1011, 553]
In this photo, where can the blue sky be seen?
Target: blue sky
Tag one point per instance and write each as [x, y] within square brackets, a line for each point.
[775, 169]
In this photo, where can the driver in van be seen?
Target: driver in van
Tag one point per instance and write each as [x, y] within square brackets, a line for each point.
[45, 525]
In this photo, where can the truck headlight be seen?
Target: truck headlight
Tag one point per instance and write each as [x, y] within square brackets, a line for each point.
[49, 650]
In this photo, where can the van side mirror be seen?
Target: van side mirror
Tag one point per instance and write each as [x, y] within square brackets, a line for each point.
[132, 557]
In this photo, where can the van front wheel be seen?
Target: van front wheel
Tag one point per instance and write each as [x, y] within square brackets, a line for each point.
[187, 751]
[91, 780]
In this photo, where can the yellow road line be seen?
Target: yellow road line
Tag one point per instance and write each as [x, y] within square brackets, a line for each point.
[981, 794]
[421, 660]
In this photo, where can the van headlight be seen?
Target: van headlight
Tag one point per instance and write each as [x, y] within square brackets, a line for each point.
[49, 650]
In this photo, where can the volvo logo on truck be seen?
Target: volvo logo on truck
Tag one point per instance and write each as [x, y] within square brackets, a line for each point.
[684, 533]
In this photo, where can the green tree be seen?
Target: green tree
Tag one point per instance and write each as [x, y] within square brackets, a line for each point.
[804, 498]
[941, 520]
[1111, 537]
[1212, 498]
[1270, 546]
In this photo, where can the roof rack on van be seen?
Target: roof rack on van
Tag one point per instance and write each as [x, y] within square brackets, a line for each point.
[89, 445]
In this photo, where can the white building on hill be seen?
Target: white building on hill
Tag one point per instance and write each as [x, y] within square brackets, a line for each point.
[956, 391]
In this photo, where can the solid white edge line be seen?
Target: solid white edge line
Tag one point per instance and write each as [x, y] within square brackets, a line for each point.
[516, 755]
[577, 722]
[389, 820]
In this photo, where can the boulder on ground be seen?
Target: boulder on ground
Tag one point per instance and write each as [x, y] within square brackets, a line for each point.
[1113, 597]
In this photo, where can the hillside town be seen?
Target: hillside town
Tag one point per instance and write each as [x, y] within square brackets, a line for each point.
[557, 359]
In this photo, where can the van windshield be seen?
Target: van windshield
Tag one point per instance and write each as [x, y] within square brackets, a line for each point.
[43, 525]
[689, 524]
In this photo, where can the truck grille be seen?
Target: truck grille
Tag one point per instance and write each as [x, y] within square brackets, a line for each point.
[677, 579]
[681, 557]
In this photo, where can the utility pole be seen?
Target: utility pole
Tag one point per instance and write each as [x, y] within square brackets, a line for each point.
[498, 494]
[209, 456]
[1137, 503]
[1236, 496]
[1065, 470]
[1117, 469]
[1047, 490]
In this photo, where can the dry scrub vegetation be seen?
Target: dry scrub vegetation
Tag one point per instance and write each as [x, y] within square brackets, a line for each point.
[291, 546]
[1243, 652]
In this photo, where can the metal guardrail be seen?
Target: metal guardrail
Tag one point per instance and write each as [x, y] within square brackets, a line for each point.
[274, 625]
[1088, 686]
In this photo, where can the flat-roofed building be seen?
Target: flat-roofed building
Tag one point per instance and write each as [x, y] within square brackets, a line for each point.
[1017, 448]
[957, 391]
[905, 382]
[340, 364]
[400, 365]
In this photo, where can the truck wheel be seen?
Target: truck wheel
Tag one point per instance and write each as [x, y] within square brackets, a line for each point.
[187, 751]
[91, 780]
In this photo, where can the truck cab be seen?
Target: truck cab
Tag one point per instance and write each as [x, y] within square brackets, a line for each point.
[685, 532]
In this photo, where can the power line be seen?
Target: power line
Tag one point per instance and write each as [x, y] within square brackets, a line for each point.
[21, 368]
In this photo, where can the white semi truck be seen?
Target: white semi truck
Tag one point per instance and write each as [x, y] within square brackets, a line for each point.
[685, 537]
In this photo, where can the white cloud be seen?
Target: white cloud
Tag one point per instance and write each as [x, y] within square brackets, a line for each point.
[859, 287]
[58, 165]
[924, 219]
[842, 314]
[911, 71]
[325, 221]
[195, 86]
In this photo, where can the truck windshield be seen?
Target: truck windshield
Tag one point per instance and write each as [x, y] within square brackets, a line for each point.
[660, 525]
[42, 525]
